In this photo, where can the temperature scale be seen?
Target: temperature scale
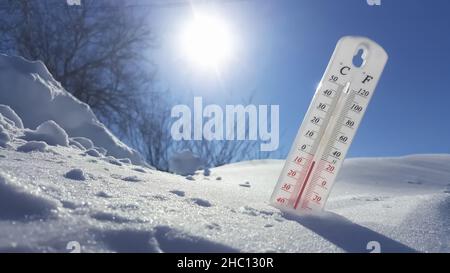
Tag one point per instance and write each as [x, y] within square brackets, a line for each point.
[329, 126]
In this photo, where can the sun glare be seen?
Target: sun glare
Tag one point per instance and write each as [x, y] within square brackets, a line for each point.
[206, 41]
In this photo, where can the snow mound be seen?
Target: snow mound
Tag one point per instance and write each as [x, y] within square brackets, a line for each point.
[33, 146]
[5, 122]
[19, 203]
[4, 136]
[200, 202]
[49, 132]
[9, 113]
[76, 145]
[184, 163]
[132, 178]
[93, 153]
[139, 170]
[101, 150]
[33, 93]
[76, 174]
[125, 160]
[85, 142]
[113, 161]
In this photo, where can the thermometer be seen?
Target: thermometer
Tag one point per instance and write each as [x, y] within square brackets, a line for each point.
[329, 125]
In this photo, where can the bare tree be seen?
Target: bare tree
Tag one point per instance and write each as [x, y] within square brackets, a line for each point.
[152, 137]
[219, 152]
[96, 53]
[151, 131]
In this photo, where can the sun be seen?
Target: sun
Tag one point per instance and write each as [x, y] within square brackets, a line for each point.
[206, 41]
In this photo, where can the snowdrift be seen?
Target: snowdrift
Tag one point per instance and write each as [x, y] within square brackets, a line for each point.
[31, 91]
[53, 196]
[68, 181]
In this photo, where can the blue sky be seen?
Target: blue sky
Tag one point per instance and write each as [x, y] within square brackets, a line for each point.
[283, 47]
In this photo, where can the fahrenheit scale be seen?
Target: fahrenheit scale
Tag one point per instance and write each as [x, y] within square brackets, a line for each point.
[329, 126]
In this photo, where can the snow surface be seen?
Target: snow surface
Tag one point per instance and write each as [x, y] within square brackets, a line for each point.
[33, 146]
[32, 92]
[24, 203]
[90, 193]
[403, 203]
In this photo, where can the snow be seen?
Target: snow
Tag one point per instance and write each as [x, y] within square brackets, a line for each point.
[4, 137]
[103, 194]
[85, 142]
[76, 145]
[9, 113]
[200, 202]
[179, 193]
[102, 151]
[125, 160]
[6, 123]
[33, 146]
[132, 178]
[402, 203]
[32, 92]
[190, 177]
[93, 153]
[19, 203]
[113, 161]
[49, 132]
[76, 174]
[137, 169]
[245, 184]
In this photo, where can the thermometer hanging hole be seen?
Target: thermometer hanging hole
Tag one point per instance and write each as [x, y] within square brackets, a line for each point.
[359, 58]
